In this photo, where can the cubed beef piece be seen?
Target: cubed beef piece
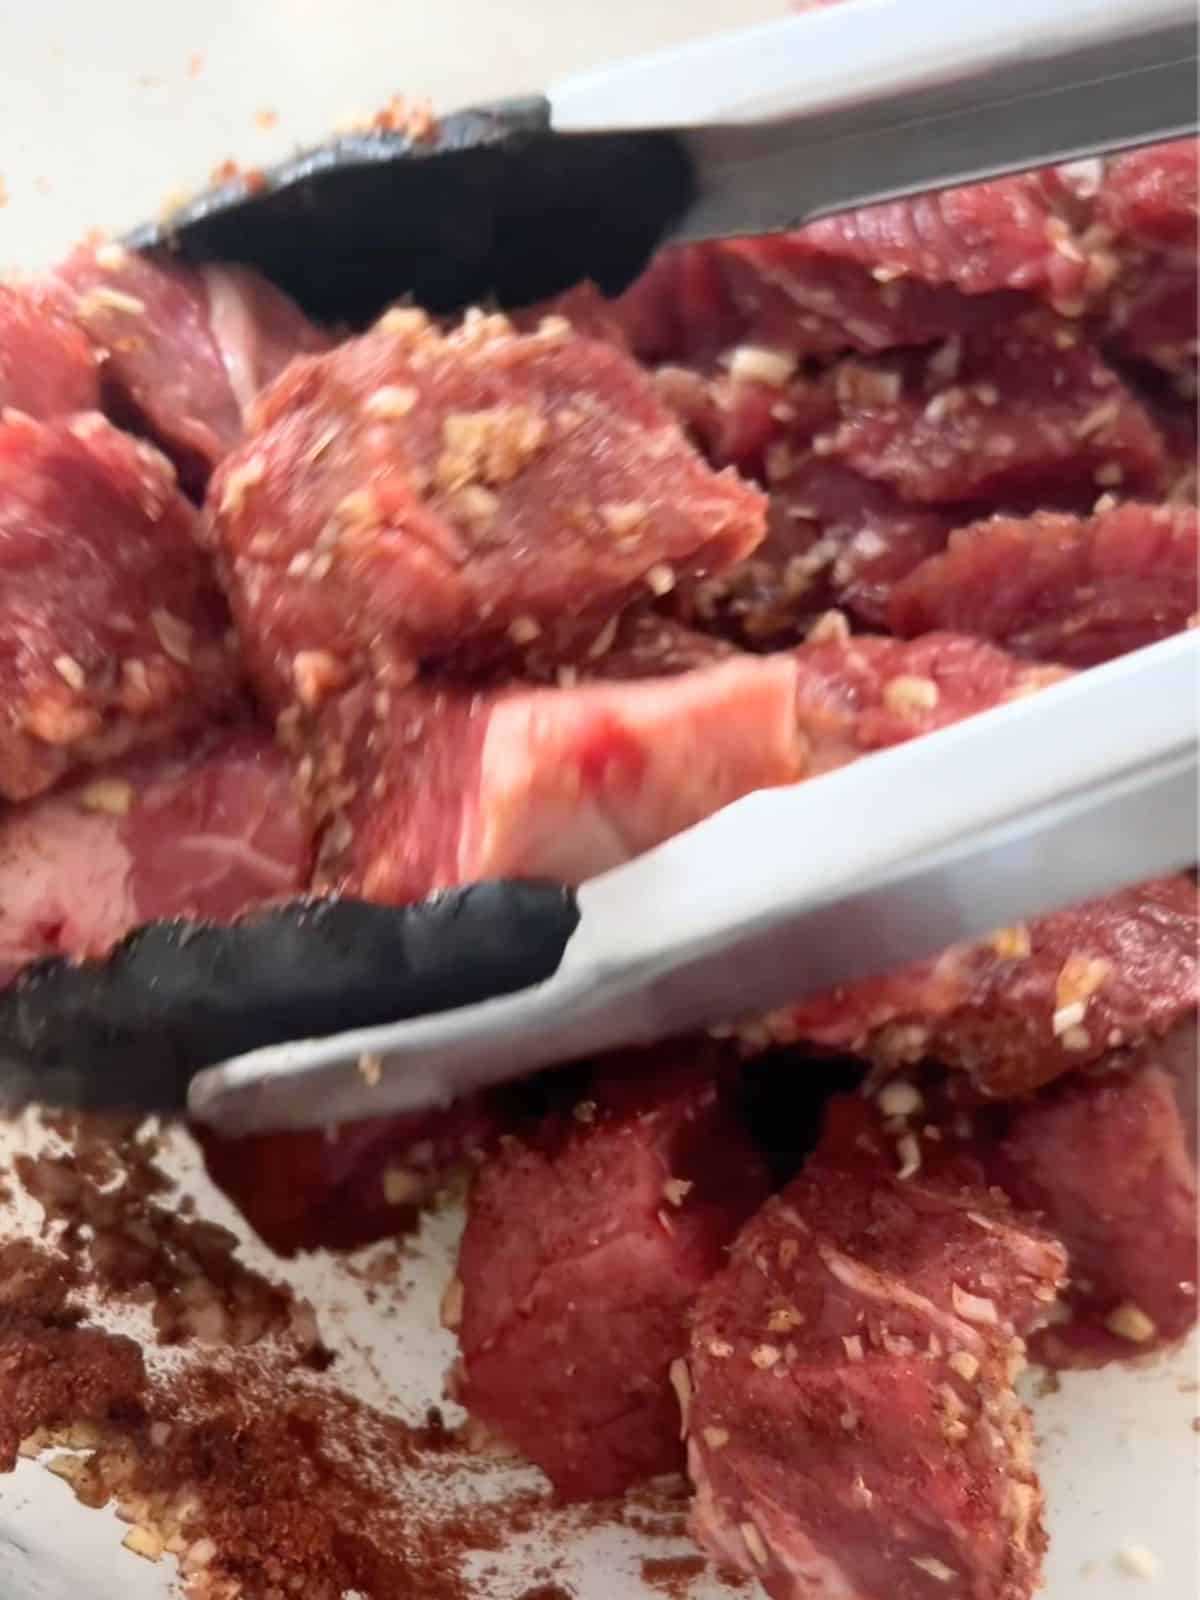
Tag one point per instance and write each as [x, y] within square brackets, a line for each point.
[1151, 196]
[112, 629]
[1028, 410]
[184, 350]
[1148, 204]
[1059, 588]
[852, 1427]
[47, 368]
[584, 1246]
[342, 1187]
[205, 833]
[431, 786]
[1030, 1003]
[867, 693]
[418, 496]
[1107, 1160]
[834, 540]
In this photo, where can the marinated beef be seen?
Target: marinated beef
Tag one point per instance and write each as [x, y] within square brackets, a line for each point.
[835, 540]
[427, 787]
[1078, 590]
[184, 351]
[342, 1187]
[113, 632]
[1107, 1160]
[204, 833]
[1148, 206]
[47, 368]
[416, 496]
[1030, 1003]
[851, 1423]
[1020, 412]
[585, 1243]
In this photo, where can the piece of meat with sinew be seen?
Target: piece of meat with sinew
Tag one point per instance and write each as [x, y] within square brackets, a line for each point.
[1028, 1004]
[1107, 1160]
[414, 496]
[47, 368]
[1028, 411]
[428, 787]
[1077, 590]
[113, 631]
[584, 1245]
[849, 1407]
[343, 1187]
[207, 832]
[834, 540]
[184, 350]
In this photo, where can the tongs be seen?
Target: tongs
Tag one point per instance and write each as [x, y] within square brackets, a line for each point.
[748, 132]
[1051, 800]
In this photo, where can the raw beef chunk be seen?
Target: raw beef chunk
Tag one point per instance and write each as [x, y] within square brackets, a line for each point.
[415, 496]
[1149, 197]
[834, 540]
[184, 350]
[208, 833]
[428, 787]
[860, 694]
[1148, 203]
[112, 629]
[1003, 234]
[1029, 410]
[1030, 1003]
[852, 1427]
[1057, 588]
[585, 1243]
[47, 368]
[339, 1188]
[1108, 1160]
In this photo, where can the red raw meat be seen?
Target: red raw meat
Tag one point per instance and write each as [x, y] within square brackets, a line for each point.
[46, 365]
[112, 630]
[1151, 196]
[590, 314]
[184, 350]
[1108, 1160]
[1077, 590]
[430, 787]
[1022, 1008]
[834, 539]
[1002, 234]
[1029, 411]
[342, 1187]
[797, 294]
[754, 402]
[680, 308]
[1148, 202]
[414, 495]
[645, 644]
[864, 693]
[852, 1427]
[208, 833]
[584, 1245]
[1152, 317]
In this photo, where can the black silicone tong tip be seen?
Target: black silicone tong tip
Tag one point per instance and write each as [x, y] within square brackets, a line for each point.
[492, 207]
[130, 1030]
